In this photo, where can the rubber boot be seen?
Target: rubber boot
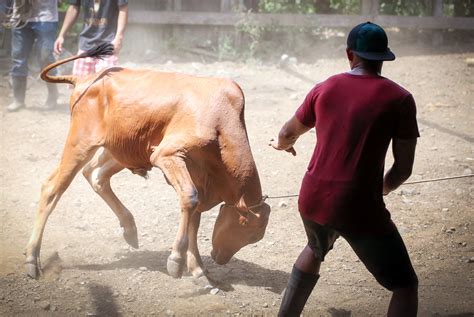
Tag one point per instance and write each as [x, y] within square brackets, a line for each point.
[299, 288]
[19, 91]
[52, 101]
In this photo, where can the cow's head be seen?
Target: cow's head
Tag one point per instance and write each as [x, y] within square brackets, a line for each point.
[237, 226]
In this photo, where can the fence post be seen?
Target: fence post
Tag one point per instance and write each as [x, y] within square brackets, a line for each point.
[177, 5]
[437, 8]
[370, 7]
[437, 38]
[226, 5]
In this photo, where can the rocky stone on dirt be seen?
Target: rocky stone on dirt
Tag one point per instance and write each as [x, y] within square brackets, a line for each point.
[406, 200]
[265, 305]
[282, 204]
[451, 230]
[408, 192]
[470, 260]
[143, 268]
[467, 171]
[169, 313]
[44, 305]
[214, 291]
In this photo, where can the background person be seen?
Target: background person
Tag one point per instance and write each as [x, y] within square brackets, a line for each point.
[104, 21]
[32, 23]
[356, 115]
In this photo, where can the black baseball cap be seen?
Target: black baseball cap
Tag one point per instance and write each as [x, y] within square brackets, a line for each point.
[369, 41]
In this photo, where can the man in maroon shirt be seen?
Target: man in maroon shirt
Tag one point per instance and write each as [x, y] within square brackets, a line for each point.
[356, 115]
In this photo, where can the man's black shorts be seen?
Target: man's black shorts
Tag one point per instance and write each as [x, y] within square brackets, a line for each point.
[386, 256]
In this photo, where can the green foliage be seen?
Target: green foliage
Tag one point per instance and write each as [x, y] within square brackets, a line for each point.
[310, 6]
[459, 8]
[226, 49]
[404, 7]
[388, 7]
[253, 32]
[287, 6]
[346, 6]
[63, 5]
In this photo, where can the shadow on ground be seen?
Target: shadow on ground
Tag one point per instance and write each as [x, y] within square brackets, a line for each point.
[223, 276]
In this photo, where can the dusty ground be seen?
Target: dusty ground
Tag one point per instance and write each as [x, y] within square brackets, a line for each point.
[89, 269]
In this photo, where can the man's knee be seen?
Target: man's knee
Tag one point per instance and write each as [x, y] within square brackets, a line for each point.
[407, 281]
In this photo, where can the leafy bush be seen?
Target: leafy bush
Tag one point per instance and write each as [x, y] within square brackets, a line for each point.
[388, 7]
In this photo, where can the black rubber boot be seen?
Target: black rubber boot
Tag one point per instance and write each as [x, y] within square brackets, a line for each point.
[52, 101]
[19, 91]
[299, 288]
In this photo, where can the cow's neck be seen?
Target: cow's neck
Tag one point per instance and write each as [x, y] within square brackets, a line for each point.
[252, 190]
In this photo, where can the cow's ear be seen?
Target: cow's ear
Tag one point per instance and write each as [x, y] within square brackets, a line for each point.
[241, 206]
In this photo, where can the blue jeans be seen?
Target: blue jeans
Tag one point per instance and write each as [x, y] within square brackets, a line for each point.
[44, 34]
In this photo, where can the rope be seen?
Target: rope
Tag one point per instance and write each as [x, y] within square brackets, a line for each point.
[438, 179]
[407, 183]
[460, 287]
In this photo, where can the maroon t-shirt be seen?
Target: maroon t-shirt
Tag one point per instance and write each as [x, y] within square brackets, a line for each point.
[356, 117]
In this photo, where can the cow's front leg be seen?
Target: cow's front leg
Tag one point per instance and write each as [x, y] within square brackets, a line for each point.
[175, 170]
[195, 266]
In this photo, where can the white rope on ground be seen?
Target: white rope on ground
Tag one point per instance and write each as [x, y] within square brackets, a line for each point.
[375, 287]
[407, 183]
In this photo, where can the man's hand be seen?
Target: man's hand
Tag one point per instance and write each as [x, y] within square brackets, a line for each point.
[274, 144]
[71, 16]
[288, 135]
[121, 25]
[58, 45]
[404, 156]
[117, 43]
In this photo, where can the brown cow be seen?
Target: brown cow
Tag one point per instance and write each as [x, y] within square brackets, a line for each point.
[192, 128]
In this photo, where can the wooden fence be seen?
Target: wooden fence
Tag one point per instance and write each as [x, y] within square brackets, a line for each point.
[173, 14]
[209, 25]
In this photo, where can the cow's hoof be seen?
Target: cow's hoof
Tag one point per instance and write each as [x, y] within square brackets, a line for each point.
[175, 266]
[32, 270]
[131, 237]
[202, 281]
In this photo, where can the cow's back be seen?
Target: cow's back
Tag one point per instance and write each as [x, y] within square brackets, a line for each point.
[140, 108]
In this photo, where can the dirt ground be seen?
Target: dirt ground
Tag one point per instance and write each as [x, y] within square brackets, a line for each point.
[90, 270]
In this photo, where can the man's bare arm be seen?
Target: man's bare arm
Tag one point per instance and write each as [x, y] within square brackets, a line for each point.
[121, 25]
[71, 15]
[404, 156]
[288, 135]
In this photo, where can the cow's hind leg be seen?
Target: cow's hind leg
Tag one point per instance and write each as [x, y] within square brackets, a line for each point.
[75, 155]
[98, 172]
[175, 170]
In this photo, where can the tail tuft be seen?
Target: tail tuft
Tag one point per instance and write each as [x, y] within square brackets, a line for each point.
[100, 51]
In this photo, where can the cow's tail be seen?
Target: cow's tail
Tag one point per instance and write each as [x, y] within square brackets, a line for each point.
[101, 51]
